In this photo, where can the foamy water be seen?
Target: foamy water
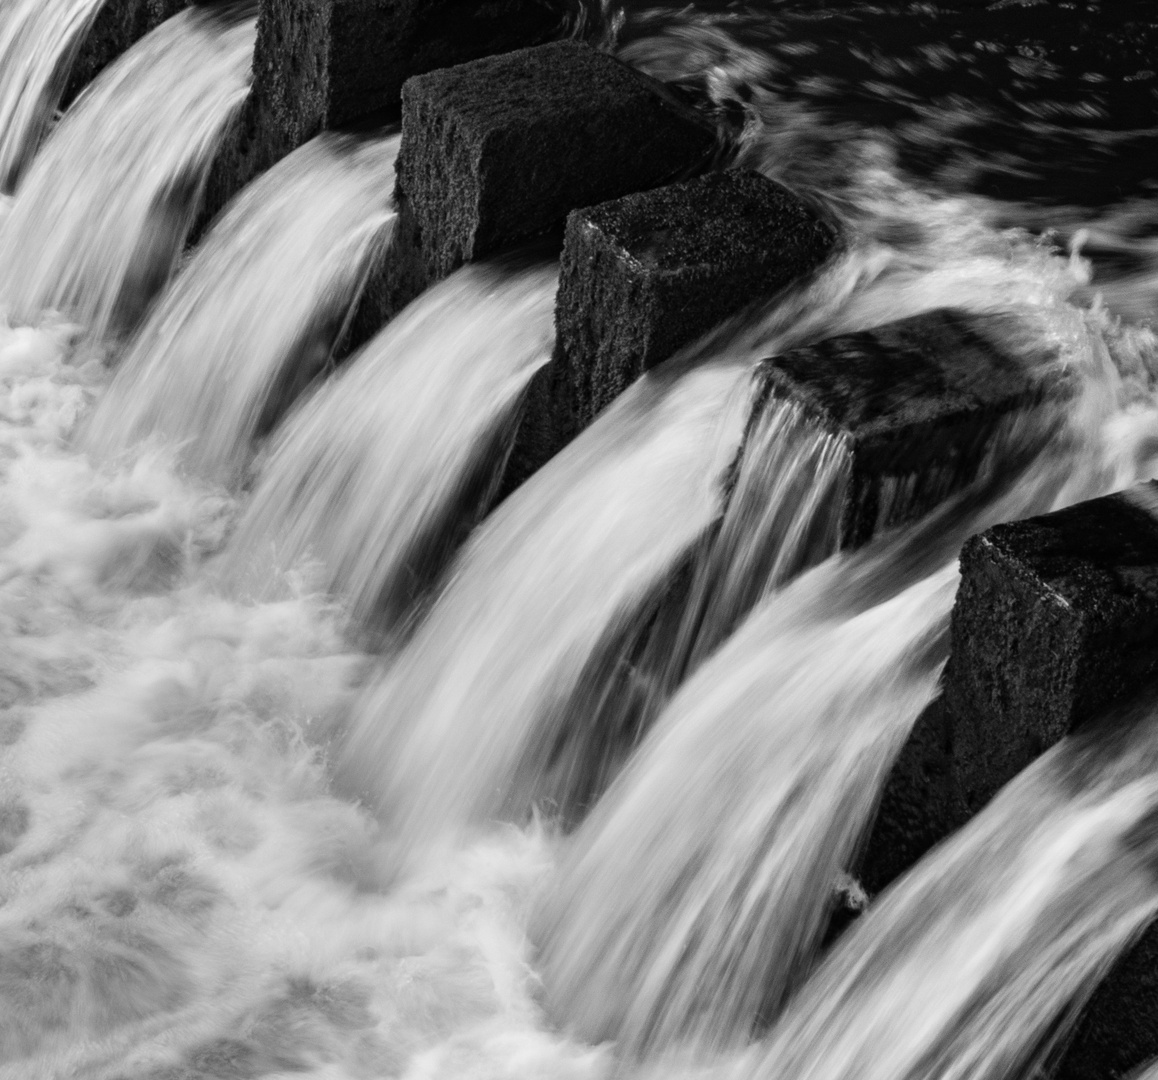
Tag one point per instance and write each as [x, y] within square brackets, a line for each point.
[185, 893]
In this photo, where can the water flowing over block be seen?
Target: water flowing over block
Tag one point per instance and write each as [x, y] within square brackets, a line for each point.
[644, 275]
[499, 151]
[918, 402]
[1056, 621]
[118, 25]
[329, 64]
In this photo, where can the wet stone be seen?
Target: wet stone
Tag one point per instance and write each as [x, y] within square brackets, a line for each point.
[332, 64]
[646, 274]
[918, 401]
[1055, 624]
[1055, 621]
[500, 150]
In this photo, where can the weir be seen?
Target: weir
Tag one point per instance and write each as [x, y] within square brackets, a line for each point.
[310, 761]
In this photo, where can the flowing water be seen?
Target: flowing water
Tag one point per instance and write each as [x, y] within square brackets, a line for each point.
[996, 936]
[104, 210]
[38, 40]
[234, 337]
[233, 843]
[397, 456]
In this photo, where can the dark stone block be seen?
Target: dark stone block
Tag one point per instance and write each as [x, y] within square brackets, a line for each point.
[326, 64]
[1056, 620]
[918, 402]
[644, 275]
[500, 150]
[118, 25]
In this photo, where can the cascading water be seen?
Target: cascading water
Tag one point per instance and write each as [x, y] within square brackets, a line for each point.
[395, 458]
[969, 966]
[461, 725]
[38, 40]
[184, 889]
[760, 778]
[256, 311]
[104, 210]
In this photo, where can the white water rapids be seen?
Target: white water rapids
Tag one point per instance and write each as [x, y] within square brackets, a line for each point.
[235, 845]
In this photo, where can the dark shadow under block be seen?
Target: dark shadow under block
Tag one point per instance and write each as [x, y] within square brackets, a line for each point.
[118, 25]
[644, 275]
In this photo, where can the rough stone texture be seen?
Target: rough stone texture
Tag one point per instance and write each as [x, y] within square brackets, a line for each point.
[324, 64]
[918, 401]
[644, 275]
[118, 25]
[498, 151]
[1056, 619]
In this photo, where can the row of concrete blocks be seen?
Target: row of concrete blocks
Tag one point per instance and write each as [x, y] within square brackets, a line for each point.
[1056, 617]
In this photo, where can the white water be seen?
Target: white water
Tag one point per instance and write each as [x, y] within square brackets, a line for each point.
[103, 212]
[185, 892]
[38, 41]
[395, 457]
[964, 967]
[551, 578]
[235, 335]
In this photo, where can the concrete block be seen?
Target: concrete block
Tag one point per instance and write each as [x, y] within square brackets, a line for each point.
[327, 64]
[118, 25]
[500, 150]
[646, 274]
[917, 400]
[1055, 621]
[914, 406]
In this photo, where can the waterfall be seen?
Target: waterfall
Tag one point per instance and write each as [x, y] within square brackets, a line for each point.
[393, 460]
[970, 966]
[312, 762]
[256, 311]
[103, 212]
[38, 41]
[462, 724]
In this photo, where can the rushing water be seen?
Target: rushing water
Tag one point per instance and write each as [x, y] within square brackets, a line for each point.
[236, 844]
[37, 43]
[234, 337]
[394, 459]
[104, 210]
[995, 936]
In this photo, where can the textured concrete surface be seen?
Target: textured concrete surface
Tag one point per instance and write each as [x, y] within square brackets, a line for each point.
[325, 64]
[1056, 620]
[918, 401]
[498, 151]
[646, 274]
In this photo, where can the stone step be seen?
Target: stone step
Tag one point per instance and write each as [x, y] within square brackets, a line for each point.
[498, 151]
[332, 64]
[646, 274]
